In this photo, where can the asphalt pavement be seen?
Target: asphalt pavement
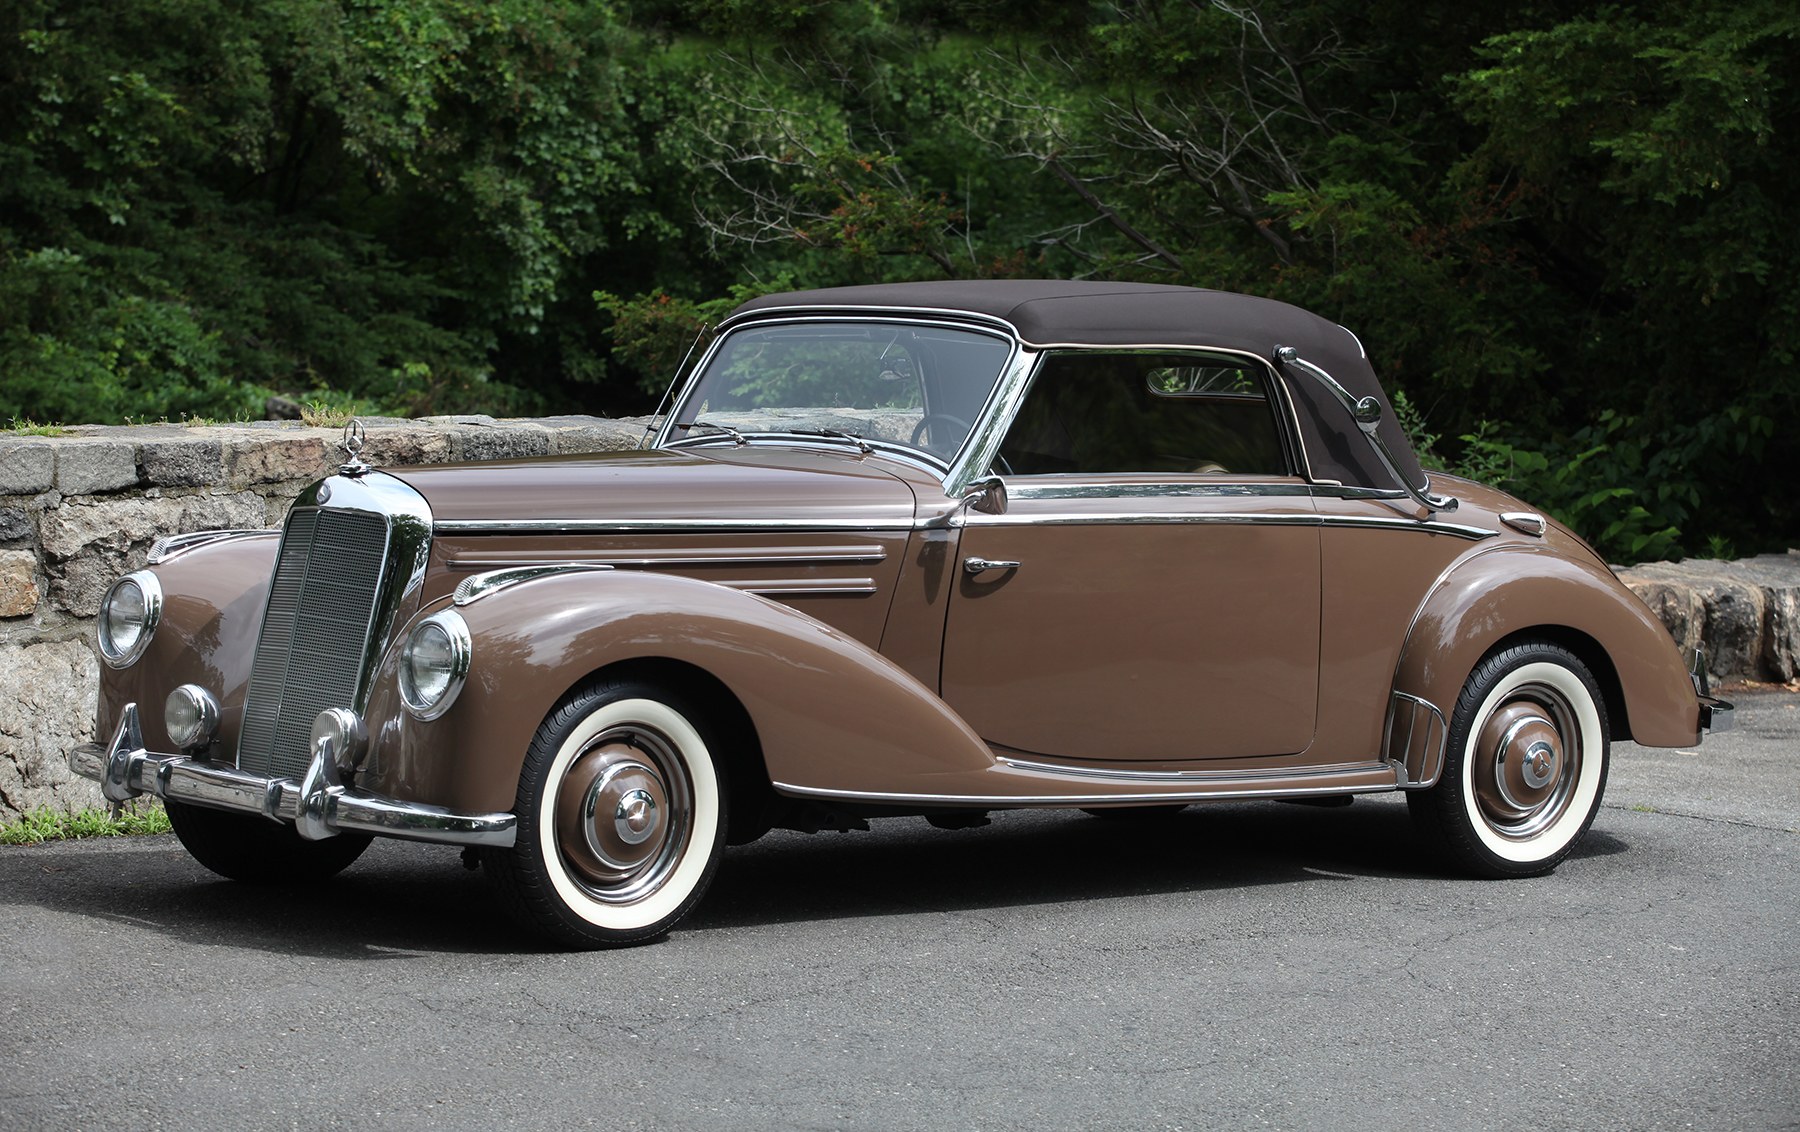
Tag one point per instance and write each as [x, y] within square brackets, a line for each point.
[1236, 966]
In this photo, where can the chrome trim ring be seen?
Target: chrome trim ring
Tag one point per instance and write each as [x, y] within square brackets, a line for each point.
[1527, 760]
[624, 814]
[462, 650]
[202, 722]
[146, 584]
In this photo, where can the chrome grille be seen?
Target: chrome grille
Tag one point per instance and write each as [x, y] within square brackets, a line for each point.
[315, 635]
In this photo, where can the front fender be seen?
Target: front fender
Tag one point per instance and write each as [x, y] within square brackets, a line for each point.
[213, 601]
[830, 713]
[1490, 596]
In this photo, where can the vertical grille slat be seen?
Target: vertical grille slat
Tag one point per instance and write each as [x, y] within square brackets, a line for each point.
[322, 603]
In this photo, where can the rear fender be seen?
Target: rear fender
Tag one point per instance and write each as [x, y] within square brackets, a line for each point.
[1515, 591]
[829, 712]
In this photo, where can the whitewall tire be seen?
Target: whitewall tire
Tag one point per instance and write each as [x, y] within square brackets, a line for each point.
[1526, 763]
[622, 818]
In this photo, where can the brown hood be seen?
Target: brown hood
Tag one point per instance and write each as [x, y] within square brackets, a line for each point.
[715, 485]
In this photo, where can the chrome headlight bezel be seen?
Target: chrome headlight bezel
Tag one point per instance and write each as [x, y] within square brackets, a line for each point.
[106, 634]
[445, 636]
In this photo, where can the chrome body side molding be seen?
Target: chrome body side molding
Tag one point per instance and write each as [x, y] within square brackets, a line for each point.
[1156, 786]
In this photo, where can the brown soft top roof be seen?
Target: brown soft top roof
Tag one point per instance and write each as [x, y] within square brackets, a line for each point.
[1057, 312]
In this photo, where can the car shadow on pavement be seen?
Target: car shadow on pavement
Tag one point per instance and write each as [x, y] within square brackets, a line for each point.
[1047, 857]
[405, 899]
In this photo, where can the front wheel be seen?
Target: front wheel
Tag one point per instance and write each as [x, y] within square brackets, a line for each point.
[1525, 766]
[255, 850]
[621, 818]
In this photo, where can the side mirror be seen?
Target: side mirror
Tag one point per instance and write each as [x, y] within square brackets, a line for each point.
[987, 495]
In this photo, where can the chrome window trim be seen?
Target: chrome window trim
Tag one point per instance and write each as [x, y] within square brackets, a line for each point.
[1075, 488]
[808, 443]
[898, 316]
[979, 459]
[172, 546]
[839, 311]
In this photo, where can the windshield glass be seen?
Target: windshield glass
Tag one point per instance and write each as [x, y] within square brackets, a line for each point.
[914, 385]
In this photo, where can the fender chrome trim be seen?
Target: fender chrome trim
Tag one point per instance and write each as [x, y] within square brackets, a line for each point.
[317, 802]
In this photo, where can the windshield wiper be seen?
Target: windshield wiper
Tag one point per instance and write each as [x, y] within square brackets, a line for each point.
[834, 434]
[736, 436]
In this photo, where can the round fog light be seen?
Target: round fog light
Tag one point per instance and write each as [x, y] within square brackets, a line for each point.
[192, 716]
[344, 728]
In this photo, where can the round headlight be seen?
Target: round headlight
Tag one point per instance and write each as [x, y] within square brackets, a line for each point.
[128, 617]
[192, 716]
[434, 664]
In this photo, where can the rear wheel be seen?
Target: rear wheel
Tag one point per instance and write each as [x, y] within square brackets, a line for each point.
[251, 848]
[1525, 766]
[621, 818]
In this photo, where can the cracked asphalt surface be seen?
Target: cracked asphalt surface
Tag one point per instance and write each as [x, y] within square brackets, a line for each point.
[1234, 966]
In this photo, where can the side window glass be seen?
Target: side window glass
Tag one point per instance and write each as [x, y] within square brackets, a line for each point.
[1172, 413]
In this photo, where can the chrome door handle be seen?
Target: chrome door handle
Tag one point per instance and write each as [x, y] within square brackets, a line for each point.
[983, 565]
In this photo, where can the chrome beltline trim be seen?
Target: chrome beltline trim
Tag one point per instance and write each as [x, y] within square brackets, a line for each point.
[686, 556]
[661, 526]
[1166, 489]
[1169, 489]
[1381, 781]
[1241, 518]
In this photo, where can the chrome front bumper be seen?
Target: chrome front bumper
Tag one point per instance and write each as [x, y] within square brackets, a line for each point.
[317, 804]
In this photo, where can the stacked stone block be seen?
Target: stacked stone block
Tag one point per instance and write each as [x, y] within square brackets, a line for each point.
[76, 511]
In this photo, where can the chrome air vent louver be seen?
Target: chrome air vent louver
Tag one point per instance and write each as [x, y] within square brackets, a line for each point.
[345, 568]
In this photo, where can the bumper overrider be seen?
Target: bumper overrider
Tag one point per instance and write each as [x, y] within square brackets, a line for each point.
[318, 803]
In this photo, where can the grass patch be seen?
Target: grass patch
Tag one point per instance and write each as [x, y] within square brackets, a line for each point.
[43, 824]
[319, 414]
[29, 427]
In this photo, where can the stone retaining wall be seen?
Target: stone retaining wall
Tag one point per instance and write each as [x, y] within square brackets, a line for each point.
[1746, 613]
[78, 510]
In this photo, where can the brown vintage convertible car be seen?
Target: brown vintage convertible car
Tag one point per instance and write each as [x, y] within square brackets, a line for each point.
[922, 549]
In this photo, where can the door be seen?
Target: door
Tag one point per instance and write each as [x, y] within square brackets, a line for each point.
[1141, 598]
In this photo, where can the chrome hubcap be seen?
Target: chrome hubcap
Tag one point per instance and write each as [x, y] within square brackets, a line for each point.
[623, 814]
[1527, 759]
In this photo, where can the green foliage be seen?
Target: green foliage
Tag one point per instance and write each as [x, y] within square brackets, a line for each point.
[1567, 234]
[44, 824]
